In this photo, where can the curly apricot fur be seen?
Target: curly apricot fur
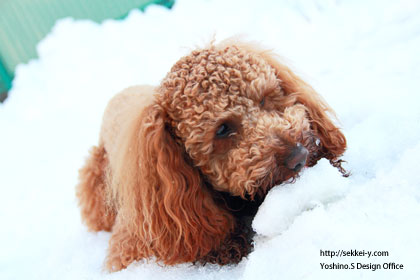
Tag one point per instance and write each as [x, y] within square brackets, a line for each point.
[170, 183]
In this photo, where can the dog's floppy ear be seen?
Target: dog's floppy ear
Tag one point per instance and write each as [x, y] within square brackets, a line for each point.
[319, 111]
[320, 114]
[162, 195]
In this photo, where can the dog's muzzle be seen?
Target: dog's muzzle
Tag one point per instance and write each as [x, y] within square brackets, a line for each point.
[297, 159]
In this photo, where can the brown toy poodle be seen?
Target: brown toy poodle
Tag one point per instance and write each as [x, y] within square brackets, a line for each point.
[181, 168]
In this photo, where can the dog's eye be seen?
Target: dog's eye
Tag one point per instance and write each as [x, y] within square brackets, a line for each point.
[224, 131]
[262, 102]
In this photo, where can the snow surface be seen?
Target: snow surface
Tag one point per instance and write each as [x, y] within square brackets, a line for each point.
[362, 56]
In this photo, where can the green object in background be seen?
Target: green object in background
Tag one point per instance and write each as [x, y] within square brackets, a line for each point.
[5, 81]
[23, 23]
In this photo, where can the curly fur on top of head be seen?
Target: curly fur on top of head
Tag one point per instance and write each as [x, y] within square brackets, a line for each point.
[185, 165]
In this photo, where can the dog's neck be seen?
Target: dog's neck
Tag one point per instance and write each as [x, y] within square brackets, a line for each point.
[238, 206]
[243, 210]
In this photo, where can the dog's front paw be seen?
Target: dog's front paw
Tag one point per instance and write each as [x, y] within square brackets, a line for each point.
[235, 247]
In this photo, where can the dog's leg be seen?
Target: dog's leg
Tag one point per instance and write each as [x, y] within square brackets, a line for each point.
[91, 192]
[125, 247]
[233, 249]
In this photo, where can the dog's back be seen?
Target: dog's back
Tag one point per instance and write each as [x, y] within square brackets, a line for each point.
[97, 213]
[120, 110]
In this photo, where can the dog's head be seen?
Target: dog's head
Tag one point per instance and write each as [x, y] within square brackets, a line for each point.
[229, 116]
[245, 119]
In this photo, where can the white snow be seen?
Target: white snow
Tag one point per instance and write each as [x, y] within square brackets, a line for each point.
[362, 56]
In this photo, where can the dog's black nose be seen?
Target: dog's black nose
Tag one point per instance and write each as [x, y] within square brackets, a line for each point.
[297, 159]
